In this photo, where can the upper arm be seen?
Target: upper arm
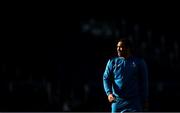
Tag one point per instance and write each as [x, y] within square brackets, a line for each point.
[108, 69]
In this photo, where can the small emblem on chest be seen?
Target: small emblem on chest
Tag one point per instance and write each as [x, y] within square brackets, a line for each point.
[133, 64]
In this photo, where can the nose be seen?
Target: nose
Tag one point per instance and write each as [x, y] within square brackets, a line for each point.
[119, 48]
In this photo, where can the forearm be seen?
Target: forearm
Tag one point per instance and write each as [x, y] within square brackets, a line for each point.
[107, 78]
[107, 87]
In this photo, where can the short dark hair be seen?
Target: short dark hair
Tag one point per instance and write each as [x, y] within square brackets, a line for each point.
[127, 43]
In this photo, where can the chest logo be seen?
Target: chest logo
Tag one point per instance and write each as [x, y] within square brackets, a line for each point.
[133, 65]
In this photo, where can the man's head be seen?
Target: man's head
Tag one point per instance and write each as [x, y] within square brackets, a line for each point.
[124, 47]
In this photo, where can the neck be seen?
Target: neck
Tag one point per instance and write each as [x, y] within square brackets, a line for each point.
[126, 56]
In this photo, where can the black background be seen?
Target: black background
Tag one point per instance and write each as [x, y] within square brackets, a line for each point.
[48, 47]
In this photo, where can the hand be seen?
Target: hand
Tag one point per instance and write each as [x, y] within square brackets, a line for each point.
[111, 97]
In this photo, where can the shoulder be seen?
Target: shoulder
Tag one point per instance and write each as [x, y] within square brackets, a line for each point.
[112, 60]
[139, 60]
[115, 59]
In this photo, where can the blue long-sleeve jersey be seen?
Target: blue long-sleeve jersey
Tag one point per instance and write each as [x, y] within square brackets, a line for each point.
[126, 78]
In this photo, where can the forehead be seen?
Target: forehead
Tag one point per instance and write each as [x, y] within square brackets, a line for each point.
[119, 43]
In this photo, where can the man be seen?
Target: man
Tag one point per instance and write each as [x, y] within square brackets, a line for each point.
[125, 80]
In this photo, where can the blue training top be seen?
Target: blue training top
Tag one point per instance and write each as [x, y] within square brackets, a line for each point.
[126, 78]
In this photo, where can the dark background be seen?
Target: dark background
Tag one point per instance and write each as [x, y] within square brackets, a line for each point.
[55, 62]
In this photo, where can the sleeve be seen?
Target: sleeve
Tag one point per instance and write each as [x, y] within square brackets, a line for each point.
[144, 90]
[107, 78]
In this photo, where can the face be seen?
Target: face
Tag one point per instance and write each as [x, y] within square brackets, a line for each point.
[121, 49]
